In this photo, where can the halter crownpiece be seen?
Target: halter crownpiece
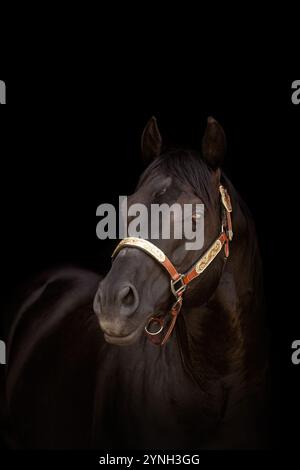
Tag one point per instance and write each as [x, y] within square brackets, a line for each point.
[179, 282]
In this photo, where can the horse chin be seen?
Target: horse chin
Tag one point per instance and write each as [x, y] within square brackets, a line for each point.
[126, 340]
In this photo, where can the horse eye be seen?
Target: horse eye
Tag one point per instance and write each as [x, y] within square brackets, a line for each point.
[161, 192]
[195, 218]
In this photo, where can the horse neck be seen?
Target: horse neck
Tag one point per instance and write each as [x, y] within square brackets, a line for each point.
[145, 365]
[211, 336]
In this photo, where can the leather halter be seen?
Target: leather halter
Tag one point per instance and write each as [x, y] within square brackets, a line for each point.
[179, 282]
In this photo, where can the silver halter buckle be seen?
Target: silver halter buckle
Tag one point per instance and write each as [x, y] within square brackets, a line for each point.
[178, 286]
[154, 320]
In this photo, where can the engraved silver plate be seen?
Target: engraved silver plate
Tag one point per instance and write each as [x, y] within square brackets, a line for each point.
[225, 199]
[208, 257]
[144, 245]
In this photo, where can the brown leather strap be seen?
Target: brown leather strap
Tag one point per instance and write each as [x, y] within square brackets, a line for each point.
[174, 274]
[175, 310]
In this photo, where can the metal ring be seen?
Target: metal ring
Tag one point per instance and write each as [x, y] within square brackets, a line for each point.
[155, 320]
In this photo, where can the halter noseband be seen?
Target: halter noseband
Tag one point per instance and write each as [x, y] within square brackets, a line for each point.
[179, 282]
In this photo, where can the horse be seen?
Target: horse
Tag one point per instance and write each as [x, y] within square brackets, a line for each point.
[84, 374]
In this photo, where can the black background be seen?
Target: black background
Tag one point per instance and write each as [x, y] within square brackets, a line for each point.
[70, 141]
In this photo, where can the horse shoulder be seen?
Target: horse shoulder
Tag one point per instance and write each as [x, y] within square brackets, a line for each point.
[52, 360]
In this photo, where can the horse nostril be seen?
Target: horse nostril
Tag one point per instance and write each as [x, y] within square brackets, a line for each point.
[97, 303]
[128, 298]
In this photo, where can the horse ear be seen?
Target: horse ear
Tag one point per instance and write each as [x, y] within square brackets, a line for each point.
[151, 141]
[214, 144]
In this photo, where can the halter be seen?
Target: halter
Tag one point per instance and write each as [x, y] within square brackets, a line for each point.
[179, 282]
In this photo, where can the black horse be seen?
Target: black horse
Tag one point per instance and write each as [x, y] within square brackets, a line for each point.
[72, 384]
